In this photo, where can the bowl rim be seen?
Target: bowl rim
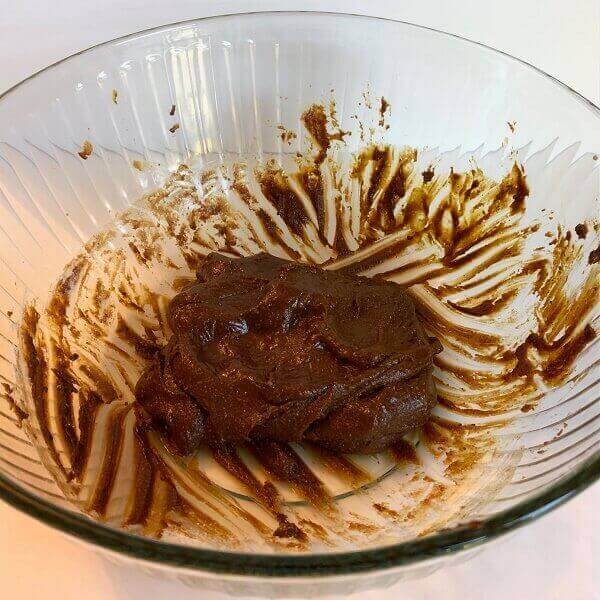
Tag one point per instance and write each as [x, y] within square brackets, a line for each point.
[228, 563]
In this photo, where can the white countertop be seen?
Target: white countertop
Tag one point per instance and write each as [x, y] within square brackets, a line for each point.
[555, 558]
[550, 559]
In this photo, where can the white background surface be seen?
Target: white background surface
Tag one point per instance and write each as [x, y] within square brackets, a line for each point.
[557, 557]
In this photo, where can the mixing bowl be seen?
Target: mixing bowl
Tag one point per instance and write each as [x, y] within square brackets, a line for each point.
[83, 140]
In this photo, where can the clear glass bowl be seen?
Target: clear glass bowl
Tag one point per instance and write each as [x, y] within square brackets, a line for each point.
[233, 79]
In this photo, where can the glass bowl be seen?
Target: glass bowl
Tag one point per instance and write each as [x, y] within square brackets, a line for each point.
[84, 139]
